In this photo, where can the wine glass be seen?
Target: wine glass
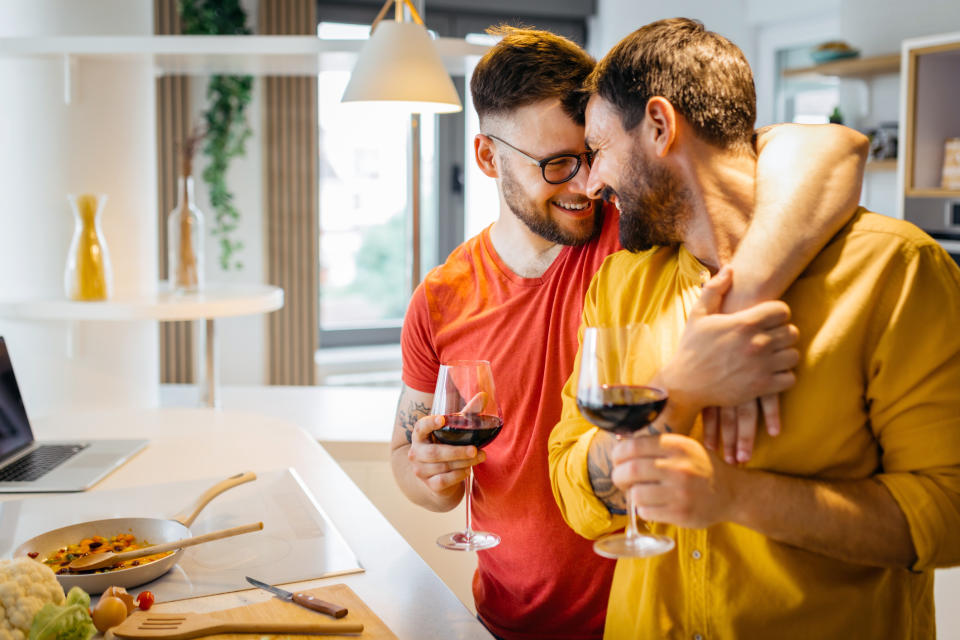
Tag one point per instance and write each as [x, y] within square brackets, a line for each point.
[613, 393]
[466, 399]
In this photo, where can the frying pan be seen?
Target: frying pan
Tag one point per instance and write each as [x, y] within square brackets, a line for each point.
[153, 530]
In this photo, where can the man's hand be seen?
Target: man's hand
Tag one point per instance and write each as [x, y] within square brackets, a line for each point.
[441, 467]
[728, 359]
[674, 479]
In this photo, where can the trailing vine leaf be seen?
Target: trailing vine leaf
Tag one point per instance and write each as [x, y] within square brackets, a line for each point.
[225, 116]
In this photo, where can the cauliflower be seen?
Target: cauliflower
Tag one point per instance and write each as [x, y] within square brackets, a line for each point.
[25, 586]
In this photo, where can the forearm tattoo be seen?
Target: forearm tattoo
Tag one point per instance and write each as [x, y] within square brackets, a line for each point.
[408, 417]
[599, 468]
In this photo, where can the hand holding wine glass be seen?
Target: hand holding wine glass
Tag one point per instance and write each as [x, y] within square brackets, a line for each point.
[613, 393]
[466, 399]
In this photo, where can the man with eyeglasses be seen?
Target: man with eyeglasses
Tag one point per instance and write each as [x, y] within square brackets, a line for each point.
[513, 295]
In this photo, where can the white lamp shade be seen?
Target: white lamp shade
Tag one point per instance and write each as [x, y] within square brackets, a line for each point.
[400, 65]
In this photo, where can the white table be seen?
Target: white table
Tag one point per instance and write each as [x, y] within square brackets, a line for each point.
[191, 444]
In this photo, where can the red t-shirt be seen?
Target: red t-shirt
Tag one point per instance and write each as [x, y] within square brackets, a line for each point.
[543, 580]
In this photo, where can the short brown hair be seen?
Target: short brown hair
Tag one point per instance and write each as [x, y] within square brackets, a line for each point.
[527, 66]
[704, 76]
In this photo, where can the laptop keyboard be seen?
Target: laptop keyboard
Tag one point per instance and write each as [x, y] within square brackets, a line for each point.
[38, 462]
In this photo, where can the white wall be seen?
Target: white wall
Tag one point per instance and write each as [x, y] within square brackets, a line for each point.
[617, 18]
[878, 26]
[102, 142]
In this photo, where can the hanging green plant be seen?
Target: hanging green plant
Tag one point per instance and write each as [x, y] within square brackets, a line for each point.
[225, 116]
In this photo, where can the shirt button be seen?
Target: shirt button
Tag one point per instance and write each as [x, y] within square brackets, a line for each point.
[696, 554]
[697, 636]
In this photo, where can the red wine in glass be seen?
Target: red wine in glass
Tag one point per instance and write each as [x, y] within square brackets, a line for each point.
[468, 429]
[623, 409]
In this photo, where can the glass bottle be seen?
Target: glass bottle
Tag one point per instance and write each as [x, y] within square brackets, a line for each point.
[88, 274]
[185, 241]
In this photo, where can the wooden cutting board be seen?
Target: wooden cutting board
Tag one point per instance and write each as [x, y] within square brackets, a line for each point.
[276, 609]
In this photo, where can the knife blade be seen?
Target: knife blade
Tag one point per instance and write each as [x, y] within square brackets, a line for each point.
[301, 598]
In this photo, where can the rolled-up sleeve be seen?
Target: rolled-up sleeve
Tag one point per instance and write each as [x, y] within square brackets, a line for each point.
[569, 449]
[913, 395]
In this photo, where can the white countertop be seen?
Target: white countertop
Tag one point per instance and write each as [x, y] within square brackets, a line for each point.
[329, 414]
[188, 444]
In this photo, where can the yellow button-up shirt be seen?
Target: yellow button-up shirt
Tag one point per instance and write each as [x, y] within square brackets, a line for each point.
[877, 395]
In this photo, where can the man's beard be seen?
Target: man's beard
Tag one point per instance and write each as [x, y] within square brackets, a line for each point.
[539, 220]
[654, 206]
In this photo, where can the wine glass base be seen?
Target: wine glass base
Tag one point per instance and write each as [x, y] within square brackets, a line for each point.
[641, 546]
[468, 541]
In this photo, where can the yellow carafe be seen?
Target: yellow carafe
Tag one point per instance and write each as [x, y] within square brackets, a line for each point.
[88, 275]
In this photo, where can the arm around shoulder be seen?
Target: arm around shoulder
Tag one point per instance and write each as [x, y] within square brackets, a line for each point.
[807, 188]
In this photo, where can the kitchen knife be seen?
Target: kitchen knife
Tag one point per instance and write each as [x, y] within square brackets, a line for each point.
[303, 599]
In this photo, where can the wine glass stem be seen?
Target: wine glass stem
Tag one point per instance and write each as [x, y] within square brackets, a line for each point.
[468, 489]
[633, 531]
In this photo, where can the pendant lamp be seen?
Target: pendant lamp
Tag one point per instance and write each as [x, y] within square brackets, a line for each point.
[399, 65]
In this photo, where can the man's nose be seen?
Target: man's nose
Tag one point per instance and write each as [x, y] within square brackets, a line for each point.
[594, 186]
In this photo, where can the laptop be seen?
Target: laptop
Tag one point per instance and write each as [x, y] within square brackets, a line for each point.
[28, 466]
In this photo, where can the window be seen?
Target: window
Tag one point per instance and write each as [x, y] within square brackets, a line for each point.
[364, 194]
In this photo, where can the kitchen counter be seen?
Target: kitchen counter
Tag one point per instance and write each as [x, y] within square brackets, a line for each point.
[192, 444]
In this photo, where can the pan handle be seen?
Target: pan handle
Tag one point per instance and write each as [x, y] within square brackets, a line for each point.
[188, 515]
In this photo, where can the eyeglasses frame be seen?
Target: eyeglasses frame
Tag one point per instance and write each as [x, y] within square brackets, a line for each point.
[581, 157]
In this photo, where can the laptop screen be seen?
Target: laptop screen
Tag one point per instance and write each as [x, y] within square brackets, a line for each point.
[15, 430]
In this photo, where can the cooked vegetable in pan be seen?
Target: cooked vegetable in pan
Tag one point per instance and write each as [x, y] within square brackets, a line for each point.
[59, 560]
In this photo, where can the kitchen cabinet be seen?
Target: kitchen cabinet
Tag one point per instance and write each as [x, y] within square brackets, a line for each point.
[930, 114]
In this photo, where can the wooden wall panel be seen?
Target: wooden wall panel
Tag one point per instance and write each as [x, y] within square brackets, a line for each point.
[291, 202]
[173, 125]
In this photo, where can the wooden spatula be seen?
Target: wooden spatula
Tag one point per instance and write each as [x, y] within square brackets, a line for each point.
[181, 626]
[109, 558]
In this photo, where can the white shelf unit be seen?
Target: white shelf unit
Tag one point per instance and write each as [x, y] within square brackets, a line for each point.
[215, 301]
[930, 89]
[192, 55]
[196, 55]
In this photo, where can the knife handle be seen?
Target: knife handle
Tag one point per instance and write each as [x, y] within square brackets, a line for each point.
[311, 602]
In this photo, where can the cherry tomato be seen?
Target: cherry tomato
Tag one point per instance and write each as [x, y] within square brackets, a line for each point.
[145, 600]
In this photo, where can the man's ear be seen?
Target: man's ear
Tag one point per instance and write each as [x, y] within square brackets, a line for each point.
[662, 119]
[483, 150]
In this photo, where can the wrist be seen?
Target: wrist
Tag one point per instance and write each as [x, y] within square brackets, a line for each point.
[678, 416]
[682, 408]
[737, 481]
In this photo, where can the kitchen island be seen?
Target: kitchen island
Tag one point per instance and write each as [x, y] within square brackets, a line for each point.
[194, 444]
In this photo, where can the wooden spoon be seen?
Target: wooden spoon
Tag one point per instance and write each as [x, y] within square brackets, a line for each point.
[95, 561]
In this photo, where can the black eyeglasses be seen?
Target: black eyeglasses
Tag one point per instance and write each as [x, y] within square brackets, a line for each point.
[556, 169]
